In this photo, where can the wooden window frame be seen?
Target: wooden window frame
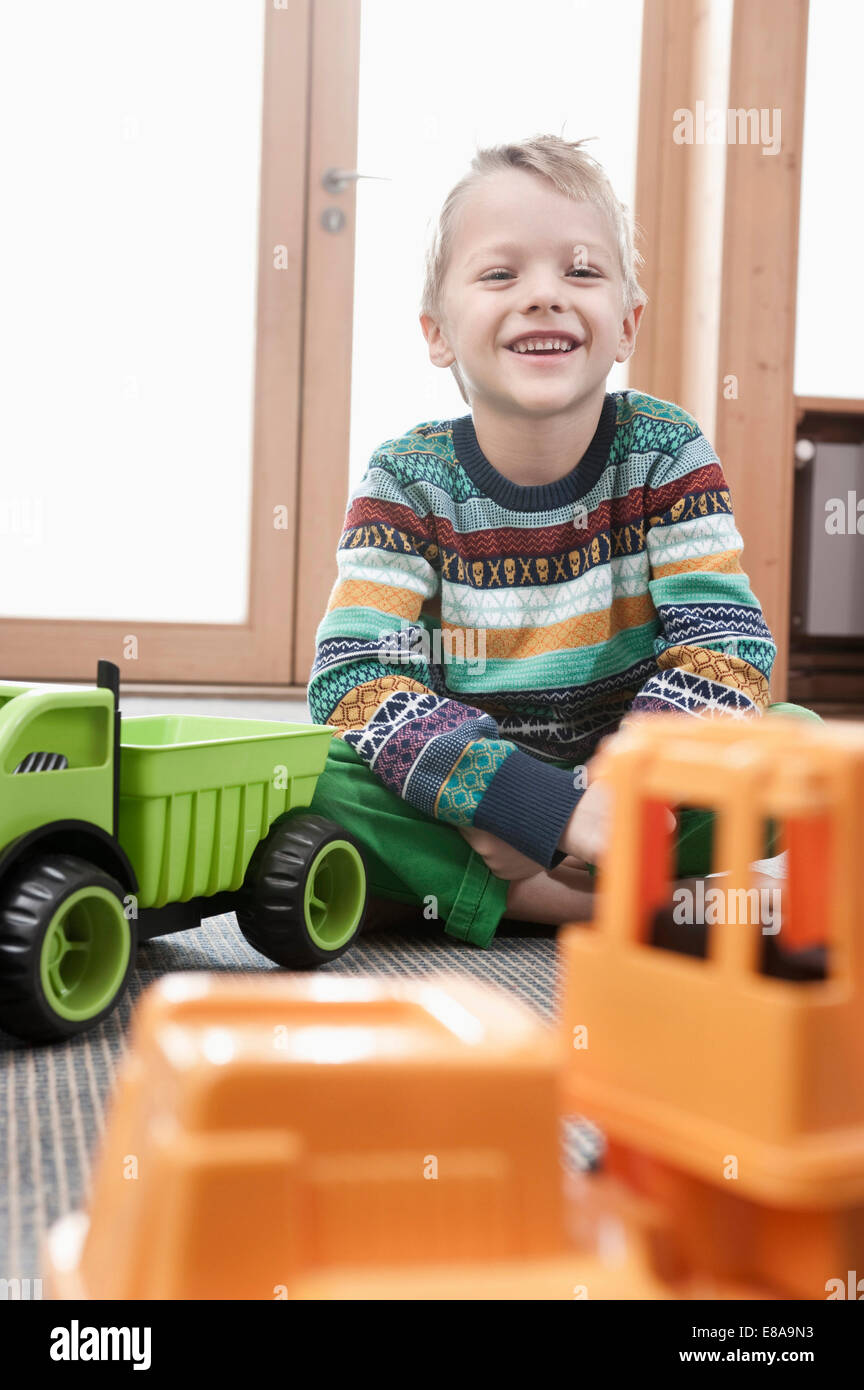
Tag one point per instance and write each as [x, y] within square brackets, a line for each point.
[310, 54]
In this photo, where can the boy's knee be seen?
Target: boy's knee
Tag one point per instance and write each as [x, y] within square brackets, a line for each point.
[799, 711]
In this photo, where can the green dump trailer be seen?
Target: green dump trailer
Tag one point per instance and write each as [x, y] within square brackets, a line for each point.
[114, 831]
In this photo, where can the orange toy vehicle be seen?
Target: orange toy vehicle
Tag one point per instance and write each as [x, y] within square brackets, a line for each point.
[727, 1063]
[330, 1138]
[345, 1138]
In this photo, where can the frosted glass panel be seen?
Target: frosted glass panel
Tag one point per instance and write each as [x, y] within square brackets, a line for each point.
[437, 79]
[829, 356]
[129, 170]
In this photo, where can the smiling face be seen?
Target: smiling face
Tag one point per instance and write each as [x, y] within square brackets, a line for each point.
[529, 263]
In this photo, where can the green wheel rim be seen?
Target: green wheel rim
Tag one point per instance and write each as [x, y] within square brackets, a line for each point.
[334, 895]
[85, 952]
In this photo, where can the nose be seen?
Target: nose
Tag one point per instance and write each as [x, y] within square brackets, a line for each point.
[545, 299]
[543, 289]
[544, 293]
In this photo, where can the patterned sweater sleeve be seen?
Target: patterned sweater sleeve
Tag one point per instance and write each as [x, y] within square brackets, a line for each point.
[373, 679]
[714, 651]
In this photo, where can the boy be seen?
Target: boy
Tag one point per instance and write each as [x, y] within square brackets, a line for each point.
[582, 540]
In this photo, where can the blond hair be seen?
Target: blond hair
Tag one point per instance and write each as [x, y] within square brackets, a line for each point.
[568, 168]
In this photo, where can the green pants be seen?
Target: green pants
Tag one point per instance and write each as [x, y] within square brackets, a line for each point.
[426, 863]
[695, 839]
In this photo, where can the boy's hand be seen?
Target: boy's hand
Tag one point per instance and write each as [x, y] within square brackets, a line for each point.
[586, 834]
[502, 859]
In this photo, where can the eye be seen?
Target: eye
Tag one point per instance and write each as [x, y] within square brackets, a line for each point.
[581, 271]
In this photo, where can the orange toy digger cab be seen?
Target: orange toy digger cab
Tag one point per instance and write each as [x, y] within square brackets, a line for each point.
[733, 1097]
[381, 1138]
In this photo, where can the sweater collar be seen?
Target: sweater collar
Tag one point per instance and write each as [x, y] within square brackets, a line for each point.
[536, 497]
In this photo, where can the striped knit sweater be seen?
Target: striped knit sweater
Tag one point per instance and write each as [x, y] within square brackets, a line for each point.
[482, 636]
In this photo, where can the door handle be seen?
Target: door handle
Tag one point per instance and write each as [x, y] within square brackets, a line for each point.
[337, 180]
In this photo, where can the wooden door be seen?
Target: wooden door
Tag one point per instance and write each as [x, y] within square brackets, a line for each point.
[150, 525]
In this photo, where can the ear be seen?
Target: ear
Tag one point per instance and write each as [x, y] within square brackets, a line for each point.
[440, 352]
[629, 330]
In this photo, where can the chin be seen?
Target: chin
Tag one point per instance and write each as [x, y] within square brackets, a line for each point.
[546, 403]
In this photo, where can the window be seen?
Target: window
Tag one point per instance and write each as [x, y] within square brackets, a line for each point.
[128, 279]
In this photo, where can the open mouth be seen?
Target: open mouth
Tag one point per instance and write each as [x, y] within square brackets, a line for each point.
[544, 347]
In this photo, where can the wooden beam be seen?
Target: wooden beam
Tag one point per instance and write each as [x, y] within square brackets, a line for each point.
[755, 433]
[830, 405]
[679, 204]
[329, 317]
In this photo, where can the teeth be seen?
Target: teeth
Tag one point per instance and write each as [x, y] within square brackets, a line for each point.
[545, 344]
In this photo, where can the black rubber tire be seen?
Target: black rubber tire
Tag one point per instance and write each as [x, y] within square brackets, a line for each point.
[29, 898]
[270, 904]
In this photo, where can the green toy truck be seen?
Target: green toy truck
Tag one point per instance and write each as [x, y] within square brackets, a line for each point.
[110, 836]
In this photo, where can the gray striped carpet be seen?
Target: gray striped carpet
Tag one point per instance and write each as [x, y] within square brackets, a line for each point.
[52, 1099]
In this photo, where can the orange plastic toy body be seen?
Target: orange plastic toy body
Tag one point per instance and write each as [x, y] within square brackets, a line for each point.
[287, 1136]
[284, 1136]
[733, 1098]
